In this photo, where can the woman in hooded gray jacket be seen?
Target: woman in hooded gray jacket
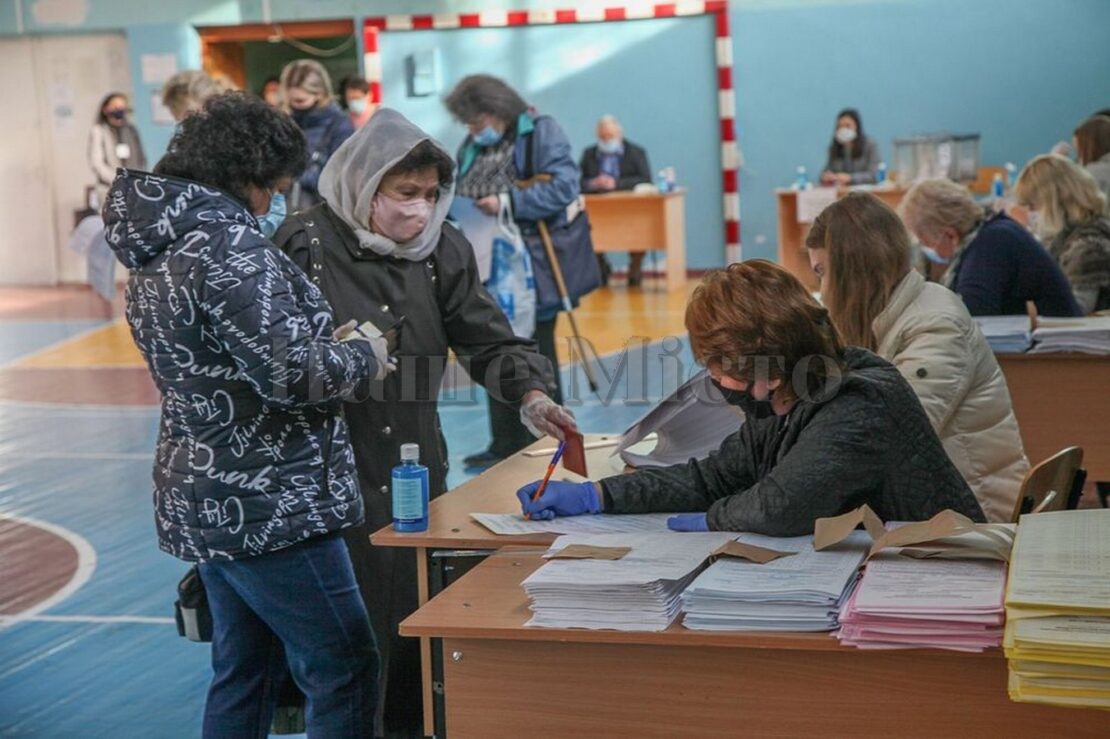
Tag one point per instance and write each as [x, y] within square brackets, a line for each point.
[380, 251]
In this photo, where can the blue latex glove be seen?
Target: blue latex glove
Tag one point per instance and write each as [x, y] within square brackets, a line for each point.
[688, 522]
[559, 499]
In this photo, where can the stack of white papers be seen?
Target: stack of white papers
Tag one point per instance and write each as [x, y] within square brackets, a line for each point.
[639, 592]
[1090, 335]
[1058, 609]
[902, 602]
[689, 424]
[1007, 334]
[801, 592]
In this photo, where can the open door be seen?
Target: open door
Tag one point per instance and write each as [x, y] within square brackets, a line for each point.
[250, 54]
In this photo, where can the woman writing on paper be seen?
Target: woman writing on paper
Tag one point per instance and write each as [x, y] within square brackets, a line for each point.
[861, 252]
[828, 427]
[379, 249]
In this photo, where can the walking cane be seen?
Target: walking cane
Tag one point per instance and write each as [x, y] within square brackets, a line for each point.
[557, 270]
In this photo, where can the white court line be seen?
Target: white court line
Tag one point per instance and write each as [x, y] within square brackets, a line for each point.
[86, 564]
[160, 620]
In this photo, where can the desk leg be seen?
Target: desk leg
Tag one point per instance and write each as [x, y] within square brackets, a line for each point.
[422, 587]
[674, 236]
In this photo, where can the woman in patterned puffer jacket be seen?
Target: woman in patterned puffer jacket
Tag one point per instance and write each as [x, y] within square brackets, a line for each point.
[254, 474]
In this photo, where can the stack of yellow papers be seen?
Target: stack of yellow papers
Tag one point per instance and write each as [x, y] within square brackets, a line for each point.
[1058, 609]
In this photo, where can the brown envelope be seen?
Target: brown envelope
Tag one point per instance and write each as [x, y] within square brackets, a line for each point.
[750, 552]
[586, 551]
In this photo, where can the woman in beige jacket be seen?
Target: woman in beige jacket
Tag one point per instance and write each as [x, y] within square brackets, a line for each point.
[861, 252]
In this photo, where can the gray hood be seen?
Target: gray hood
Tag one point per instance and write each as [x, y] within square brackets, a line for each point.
[352, 175]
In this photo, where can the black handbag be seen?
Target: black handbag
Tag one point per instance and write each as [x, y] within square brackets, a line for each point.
[574, 250]
[194, 619]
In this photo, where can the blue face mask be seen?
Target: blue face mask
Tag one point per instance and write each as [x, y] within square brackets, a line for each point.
[932, 255]
[272, 220]
[488, 136]
[610, 146]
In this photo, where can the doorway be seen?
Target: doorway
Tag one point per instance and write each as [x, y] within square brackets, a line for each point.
[248, 55]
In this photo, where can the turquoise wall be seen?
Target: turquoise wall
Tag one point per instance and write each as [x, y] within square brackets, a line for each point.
[1021, 72]
[638, 71]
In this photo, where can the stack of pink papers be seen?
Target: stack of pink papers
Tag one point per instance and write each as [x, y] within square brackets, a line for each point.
[905, 603]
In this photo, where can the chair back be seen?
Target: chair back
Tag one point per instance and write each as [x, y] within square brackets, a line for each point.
[1049, 486]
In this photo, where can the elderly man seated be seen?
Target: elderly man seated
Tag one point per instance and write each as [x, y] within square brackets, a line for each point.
[615, 163]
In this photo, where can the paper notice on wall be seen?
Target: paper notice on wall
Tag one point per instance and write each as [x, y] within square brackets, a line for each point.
[61, 108]
[157, 68]
[812, 202]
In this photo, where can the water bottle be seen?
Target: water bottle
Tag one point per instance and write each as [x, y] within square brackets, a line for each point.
[672, 179]
[880, 175]
[802, 182]
[998, 186]
[1011, 176]
[661, 181]
[410, 491]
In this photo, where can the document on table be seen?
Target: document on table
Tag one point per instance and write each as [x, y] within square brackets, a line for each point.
[1061, 561]
[641, 591]
[896, 584]
[514, 524]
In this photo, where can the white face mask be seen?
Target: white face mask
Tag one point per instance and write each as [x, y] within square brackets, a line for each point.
[845, 135]
[399, 220]
[357, 106]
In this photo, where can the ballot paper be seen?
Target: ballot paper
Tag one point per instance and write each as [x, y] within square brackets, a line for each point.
[1057, 635]
[514, 524]
[933, 603]
[479, 228]
[641, 591]
[802, 592]
[689, 424]
[1007, 334]
[1088, 335]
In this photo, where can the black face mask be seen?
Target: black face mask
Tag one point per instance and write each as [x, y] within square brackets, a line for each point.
[117, 115]
[743, 400]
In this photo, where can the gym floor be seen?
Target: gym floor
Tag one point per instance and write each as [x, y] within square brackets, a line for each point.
[87, 642]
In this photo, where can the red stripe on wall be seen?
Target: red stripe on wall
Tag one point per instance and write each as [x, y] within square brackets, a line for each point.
[614, 14]
[375, 92]
[518, 17]
[722, 24]
[732, 232]
[369, 39]
[470, 20]
[728, 129]
[376, 23]
[716, 6]
[665, 10]
[566, 16]
[422, 22]
[724, 78]
[728, 181]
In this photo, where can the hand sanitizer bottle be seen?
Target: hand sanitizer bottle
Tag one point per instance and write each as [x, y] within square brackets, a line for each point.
[880, 175]
[802, 182]
[410, 491]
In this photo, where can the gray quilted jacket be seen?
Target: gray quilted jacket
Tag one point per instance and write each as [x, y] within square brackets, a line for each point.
[870, 443]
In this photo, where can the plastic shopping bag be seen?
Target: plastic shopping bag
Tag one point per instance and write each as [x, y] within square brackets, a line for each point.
[512, 282]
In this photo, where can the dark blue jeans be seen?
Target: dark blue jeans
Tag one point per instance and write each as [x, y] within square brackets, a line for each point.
[298, 606]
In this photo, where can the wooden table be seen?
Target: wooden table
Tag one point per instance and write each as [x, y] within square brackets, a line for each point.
[1062, 400]
[625, 221]
[506, 680]
[454, 542]
[792, 235]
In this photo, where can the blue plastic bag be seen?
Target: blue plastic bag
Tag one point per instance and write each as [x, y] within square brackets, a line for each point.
[512, 282]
